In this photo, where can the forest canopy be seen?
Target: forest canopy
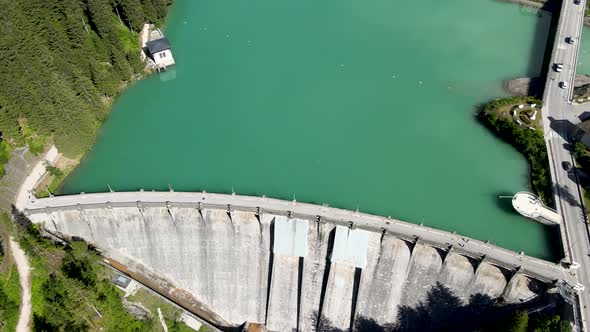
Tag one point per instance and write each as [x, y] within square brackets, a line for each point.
[63, 60]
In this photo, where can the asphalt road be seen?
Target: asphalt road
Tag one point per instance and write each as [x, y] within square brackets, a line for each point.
[559, 119]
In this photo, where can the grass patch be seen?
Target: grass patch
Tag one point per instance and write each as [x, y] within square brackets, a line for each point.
[5, 151]
[128, 38]
[9, 286]
[586, 198]
[9, 306]
[582, 156]
[524, 118]
[9, 293]
[9, 283]
[57, 176]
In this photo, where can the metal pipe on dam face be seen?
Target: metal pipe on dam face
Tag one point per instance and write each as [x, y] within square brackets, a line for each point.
[281, 269]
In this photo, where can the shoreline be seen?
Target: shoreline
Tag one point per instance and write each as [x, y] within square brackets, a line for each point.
[546, 6]
[526, 3]
[142, 37]
[531, 86]
[494, 115]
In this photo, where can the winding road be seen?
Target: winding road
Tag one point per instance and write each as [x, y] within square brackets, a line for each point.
[559, 120]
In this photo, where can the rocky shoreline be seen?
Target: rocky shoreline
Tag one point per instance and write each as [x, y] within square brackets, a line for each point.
[527, 3]
[527, 86]
[542, 5]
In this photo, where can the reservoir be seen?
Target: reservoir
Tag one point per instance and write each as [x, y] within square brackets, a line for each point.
[359, 105]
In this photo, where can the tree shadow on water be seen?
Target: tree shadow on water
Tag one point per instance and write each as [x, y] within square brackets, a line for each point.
[441, 311]
[504, 202]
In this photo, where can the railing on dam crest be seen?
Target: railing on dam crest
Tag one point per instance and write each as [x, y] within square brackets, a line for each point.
[533, 267]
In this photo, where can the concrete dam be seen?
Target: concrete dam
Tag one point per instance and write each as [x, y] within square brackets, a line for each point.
[285, 264]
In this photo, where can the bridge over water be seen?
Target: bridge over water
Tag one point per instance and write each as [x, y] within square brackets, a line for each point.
[558, 118]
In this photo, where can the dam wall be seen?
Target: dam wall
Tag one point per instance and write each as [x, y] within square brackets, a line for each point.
[290, 271]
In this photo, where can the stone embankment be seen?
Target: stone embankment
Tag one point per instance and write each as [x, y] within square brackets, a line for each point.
[547, 5]
[526, 86]
[239, 258]
[527, 3]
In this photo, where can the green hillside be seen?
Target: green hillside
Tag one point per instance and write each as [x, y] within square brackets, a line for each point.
[62, 62]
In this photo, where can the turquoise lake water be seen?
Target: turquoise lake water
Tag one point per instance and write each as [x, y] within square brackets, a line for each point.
[367, 105]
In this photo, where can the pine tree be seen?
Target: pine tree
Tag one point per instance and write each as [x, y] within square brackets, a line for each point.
[150, 11]
[105, 83]
[120, 64]
[101, 17]
[161, 7]
[59, 59]
[519, 322]
[133, 15]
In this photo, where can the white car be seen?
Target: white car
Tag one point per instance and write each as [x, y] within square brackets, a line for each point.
[563, 84]
[558, 67]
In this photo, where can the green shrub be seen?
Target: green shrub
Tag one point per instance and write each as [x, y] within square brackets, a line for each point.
[54, 171]
[5, 151]
[80, 264]
[8, 312]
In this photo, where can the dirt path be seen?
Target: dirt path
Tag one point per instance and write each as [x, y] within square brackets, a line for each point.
[24, 276]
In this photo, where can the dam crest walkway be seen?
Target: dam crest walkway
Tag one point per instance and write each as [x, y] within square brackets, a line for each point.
[533, 267]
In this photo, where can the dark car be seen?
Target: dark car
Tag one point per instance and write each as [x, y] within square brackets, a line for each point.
[567, 166]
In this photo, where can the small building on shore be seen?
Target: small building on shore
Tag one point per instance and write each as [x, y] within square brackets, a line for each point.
[155, 48]
[159, 51]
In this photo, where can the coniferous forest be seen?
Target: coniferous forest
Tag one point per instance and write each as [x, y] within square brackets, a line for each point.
[63, 61]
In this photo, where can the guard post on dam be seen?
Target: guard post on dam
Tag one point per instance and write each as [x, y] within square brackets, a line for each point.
[232, 259]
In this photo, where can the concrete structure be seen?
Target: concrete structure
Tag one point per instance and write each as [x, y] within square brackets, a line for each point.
[159, 51]
[190, 321]
[531, 206]
[558, 116]
[155, 48]
[225, 251]
[290, 237]
[350, 247]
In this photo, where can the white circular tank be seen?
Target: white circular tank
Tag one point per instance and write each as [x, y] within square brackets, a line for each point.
[532, 207]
